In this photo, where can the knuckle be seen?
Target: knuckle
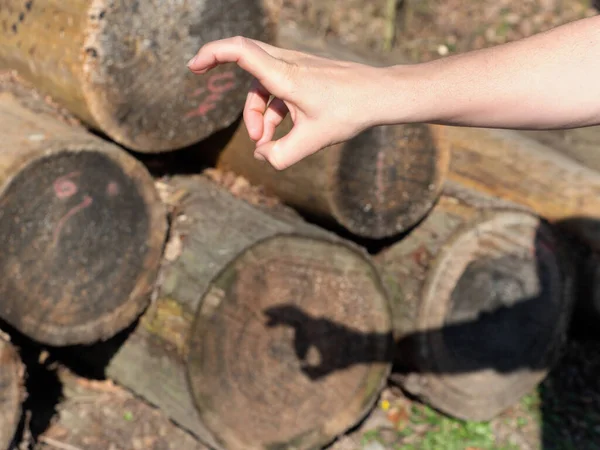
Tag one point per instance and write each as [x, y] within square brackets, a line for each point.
[240, 41]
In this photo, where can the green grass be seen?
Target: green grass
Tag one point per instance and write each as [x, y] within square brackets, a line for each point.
[437, 432]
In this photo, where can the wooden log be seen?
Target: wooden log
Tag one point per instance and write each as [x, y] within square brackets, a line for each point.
[120, 66]
[81, 226]
[481, 295]
[509, 165]
[265, 332]
[12, 392]
[376, 185]
[109, 418]
[581, 144]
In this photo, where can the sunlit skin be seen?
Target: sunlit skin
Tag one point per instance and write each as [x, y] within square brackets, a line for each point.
[546, 81]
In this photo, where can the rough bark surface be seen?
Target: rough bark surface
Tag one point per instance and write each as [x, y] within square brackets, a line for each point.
[81, 226]
[12, 392]
[514, 167]
[121, 65]
[264, 332]
[376, 185]
[481, 296]
[581, 144]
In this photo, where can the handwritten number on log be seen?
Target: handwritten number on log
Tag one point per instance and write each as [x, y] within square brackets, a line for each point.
[218, 84]
[65, 187]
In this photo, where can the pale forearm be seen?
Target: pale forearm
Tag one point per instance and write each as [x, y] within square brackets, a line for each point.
[550, 80]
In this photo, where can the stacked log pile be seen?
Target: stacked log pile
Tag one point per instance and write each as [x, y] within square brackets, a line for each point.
[246, 324]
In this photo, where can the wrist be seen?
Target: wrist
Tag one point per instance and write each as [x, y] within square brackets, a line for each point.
[405, 94]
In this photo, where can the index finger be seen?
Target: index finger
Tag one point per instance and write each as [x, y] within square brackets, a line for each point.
[244, 52]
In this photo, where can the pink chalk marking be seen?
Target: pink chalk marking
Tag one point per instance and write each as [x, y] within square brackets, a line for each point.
[112, 189]
[87, 201]
[218, 84]
[64, 187]
[216, 88]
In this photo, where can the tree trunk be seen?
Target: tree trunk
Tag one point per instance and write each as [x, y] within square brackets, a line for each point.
[512, 166]
[376, 185]
[265, 332]
[121, 65]
[81, 226]
[581, 144]
[481, 296]
[12, 392]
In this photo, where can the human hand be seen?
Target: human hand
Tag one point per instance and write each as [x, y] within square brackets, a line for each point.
[329, 101]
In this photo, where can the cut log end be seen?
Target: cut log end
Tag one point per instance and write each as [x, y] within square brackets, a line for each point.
[291, 345]
[157, 104]
[387, 179]
[494, 315]
[82, 236]
[11, 392]
[121, 66]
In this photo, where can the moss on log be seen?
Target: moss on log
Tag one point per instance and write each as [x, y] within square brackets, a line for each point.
[264, 332]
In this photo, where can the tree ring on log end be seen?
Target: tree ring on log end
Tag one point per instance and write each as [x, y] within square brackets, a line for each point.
[387, 179]
[136, 83]
[78, 250]
[291, 345]
[494, 313]
[11, 392]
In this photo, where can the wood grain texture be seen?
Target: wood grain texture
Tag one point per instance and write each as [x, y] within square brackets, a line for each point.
[581, 144]
[482, 295]
[509, 165]
[264, 332]
[376, 185]
[120, 66]
[81, 226]
[12, 393]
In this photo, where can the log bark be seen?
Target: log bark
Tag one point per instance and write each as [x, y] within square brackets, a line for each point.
[265, 332]
[581, 144]
[81, 226]
[120, 66]
[376, 185]
[481, 299]
[12, 393]
[509, 165]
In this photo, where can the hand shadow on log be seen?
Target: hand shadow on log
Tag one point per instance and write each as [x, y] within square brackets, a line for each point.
[499, 316]
[572, 386]
[337, 346]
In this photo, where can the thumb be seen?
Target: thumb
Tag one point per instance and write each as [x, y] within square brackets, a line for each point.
[299, 143]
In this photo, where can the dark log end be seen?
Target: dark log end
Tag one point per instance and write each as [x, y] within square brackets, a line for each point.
[493, 317]
[387, 179]
[11, 392]
[291, 345]
[138, 87]
[82, 236]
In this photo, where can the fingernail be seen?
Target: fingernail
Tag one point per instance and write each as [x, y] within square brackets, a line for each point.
[191, 61]
[259, 156]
